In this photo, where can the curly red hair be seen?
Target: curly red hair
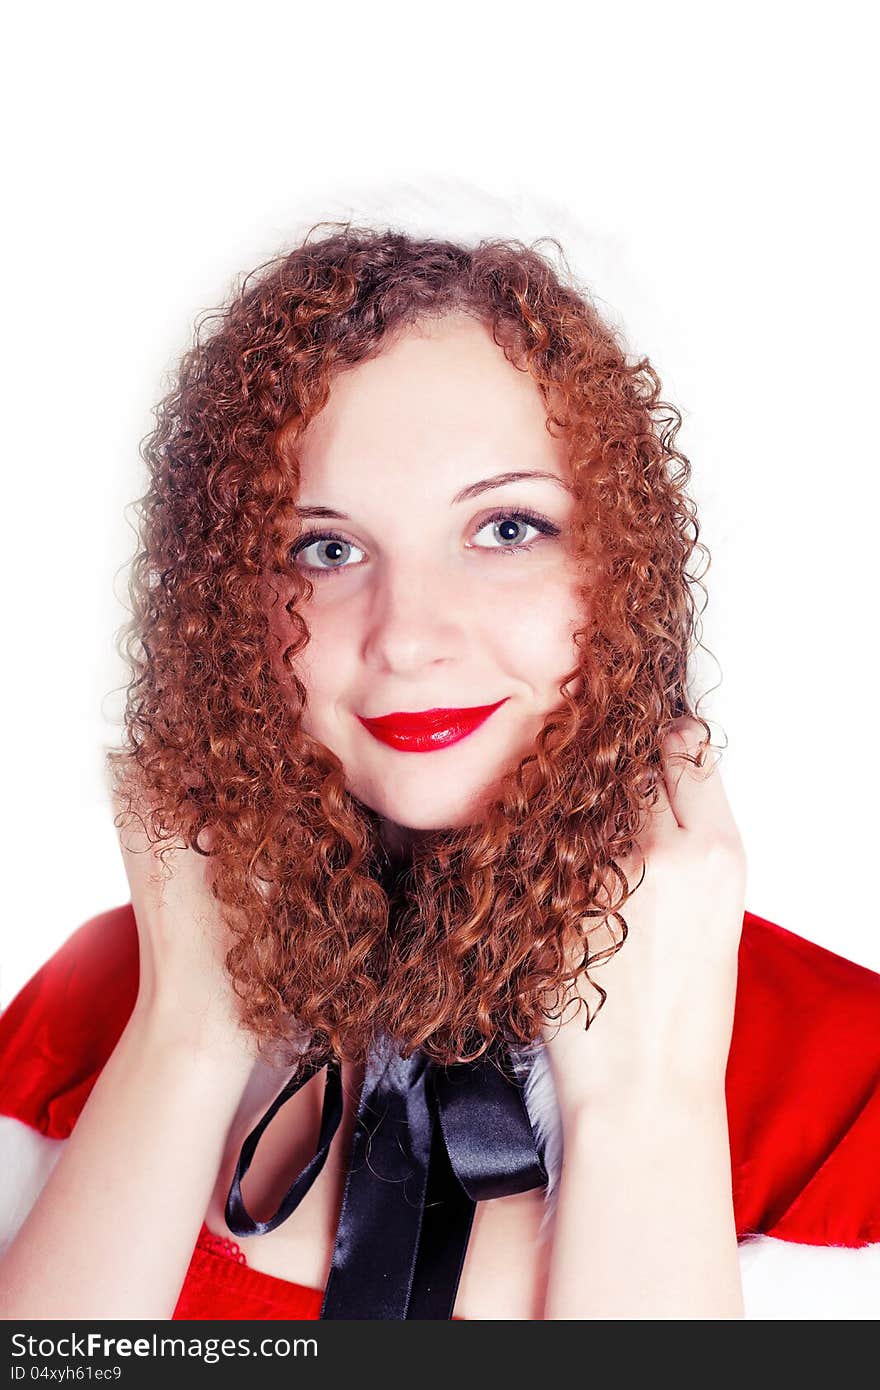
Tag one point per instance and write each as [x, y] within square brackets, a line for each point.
[469, 941]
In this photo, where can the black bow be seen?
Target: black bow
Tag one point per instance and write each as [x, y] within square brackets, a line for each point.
[429, 1143]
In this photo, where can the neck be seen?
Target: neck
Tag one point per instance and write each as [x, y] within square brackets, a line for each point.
[397, 840]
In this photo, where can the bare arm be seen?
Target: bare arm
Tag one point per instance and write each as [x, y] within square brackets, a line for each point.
[645, 1225]
[645, 1222]
[113, 1230]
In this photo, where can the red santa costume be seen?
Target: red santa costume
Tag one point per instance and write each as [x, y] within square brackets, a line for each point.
[803, 1100]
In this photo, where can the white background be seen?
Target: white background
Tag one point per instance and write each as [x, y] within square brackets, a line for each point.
[711, 173]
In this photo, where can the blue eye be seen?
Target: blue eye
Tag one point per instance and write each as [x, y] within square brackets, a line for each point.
[508, 531]
[338, 551]
[504, 526]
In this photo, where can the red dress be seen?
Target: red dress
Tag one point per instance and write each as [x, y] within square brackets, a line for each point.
[802, 1088]
[221, 1284]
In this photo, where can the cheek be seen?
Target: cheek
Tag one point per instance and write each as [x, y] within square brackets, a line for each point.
[327, 665]
[323, 662]
[537, 629]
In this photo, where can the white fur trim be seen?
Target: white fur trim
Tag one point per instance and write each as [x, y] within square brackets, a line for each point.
[531, 1065]
[26, 1160]
[787, 1281]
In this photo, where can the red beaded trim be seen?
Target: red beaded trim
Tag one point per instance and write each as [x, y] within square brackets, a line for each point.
[221, 1245]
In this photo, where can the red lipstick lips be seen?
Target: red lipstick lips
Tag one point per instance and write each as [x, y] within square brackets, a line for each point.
[428, 729]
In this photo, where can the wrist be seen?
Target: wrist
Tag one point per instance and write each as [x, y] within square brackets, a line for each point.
[641, 1101]
[170, 1033]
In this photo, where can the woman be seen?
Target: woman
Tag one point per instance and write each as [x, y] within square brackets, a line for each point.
[413, 789]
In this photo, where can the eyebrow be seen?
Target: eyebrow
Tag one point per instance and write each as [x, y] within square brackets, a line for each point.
[472, 490]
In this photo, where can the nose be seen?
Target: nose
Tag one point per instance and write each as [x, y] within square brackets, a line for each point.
[417, 617]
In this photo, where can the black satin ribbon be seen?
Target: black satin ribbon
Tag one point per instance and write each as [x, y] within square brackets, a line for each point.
[429, 1142]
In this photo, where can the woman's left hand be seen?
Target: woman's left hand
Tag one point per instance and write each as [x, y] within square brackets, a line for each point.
[667, 1020]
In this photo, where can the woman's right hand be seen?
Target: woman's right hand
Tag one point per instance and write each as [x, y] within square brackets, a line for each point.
[185, 988]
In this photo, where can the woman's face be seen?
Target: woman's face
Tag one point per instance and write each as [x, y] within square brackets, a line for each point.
[443, 585]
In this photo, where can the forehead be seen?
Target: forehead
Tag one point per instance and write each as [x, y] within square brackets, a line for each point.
[441, 401]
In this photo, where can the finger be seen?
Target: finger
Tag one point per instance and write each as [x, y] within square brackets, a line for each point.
[672, 809]
[662, 816]
[658, 825]
[661, 820]
[693, 782]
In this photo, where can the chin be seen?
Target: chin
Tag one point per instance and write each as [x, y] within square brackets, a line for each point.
[420, 811]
